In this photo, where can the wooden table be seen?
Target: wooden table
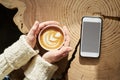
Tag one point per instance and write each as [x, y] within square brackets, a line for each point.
[70, 13]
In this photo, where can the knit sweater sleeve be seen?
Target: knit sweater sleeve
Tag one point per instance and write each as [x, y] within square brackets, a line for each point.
[39, 69]
[15, 56]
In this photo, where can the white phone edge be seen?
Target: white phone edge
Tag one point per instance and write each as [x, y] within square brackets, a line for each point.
[97, 20]
[92, 19]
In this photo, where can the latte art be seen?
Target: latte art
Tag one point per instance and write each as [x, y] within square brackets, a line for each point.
[51, 38]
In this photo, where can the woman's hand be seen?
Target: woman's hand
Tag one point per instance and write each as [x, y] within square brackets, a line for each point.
[56, 55]
[34, 31]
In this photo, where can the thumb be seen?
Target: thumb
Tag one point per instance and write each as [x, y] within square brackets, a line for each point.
[34, 29]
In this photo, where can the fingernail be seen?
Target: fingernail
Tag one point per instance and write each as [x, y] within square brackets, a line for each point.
[64, 27]
[36, 22]
[69, 49]
[57, 22]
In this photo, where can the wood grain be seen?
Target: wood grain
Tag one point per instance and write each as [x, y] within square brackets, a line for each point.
[70, 13]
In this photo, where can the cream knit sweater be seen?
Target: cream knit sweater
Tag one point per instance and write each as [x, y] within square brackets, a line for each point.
[18, 55]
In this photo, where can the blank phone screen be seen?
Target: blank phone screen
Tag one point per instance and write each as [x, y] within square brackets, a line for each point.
[90, 38]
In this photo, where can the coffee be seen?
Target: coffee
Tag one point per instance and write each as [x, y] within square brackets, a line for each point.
[51, 37]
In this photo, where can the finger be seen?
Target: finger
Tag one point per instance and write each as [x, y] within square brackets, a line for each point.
[34, 29]
[65, 54]
[43, 24]
[67, 38]
[64, 50]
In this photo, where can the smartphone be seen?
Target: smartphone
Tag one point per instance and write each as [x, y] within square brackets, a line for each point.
[90, 37]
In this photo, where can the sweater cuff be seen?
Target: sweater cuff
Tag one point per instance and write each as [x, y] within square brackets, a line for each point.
[39, 69]
[19, 53]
